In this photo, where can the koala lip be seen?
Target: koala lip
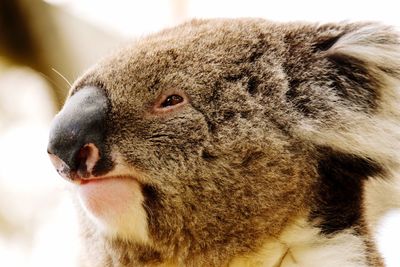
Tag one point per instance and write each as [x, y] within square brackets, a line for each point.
[78, 180]
[86, 181]
[95, 179]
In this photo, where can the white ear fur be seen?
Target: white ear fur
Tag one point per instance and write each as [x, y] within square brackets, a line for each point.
[377, 47]
[375, 44]
[374, 135]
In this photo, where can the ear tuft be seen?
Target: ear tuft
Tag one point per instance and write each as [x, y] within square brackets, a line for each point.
[376, 46]
[369, 57]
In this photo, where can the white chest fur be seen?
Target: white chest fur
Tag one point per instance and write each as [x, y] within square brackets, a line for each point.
[301, 246]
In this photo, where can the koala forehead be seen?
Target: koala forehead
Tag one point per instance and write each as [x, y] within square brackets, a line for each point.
[196, 53]
[209, 57]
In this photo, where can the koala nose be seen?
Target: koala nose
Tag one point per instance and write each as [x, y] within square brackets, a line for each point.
[76, 142]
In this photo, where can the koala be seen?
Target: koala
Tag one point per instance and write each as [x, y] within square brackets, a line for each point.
[234, 142]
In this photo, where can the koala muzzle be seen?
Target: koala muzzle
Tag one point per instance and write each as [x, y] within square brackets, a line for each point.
[76, 143]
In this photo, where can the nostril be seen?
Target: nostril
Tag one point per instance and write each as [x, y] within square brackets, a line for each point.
[86, 159]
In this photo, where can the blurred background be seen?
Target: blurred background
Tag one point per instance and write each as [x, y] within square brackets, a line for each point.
[46, 45]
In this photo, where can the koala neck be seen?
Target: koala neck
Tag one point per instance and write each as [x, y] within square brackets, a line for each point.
[299, 244]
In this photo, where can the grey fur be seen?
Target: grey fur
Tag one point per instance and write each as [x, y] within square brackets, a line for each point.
[271, 107]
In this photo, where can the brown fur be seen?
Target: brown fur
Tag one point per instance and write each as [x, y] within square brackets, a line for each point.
[247, 156]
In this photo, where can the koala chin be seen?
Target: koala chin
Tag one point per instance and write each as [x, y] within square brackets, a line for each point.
[234, 142]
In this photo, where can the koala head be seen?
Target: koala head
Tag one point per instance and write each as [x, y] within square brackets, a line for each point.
[199, 143]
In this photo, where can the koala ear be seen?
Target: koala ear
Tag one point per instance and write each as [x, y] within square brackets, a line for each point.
[369, 58]
[373, 47]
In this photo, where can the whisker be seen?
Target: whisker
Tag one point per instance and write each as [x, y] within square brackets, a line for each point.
[62, 76]
[52, 81]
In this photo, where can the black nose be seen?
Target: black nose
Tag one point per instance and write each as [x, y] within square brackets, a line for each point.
[77, 135]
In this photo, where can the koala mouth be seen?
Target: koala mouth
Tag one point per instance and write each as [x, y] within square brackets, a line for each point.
[96, 180]
[102, 196]
[83, 182]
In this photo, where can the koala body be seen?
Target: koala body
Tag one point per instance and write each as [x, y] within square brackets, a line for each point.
[234, 143]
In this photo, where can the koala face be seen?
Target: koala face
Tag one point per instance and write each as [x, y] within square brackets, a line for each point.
[199, 143]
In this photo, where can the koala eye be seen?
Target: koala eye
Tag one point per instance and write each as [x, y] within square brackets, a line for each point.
[172, 100]
[167, 103]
